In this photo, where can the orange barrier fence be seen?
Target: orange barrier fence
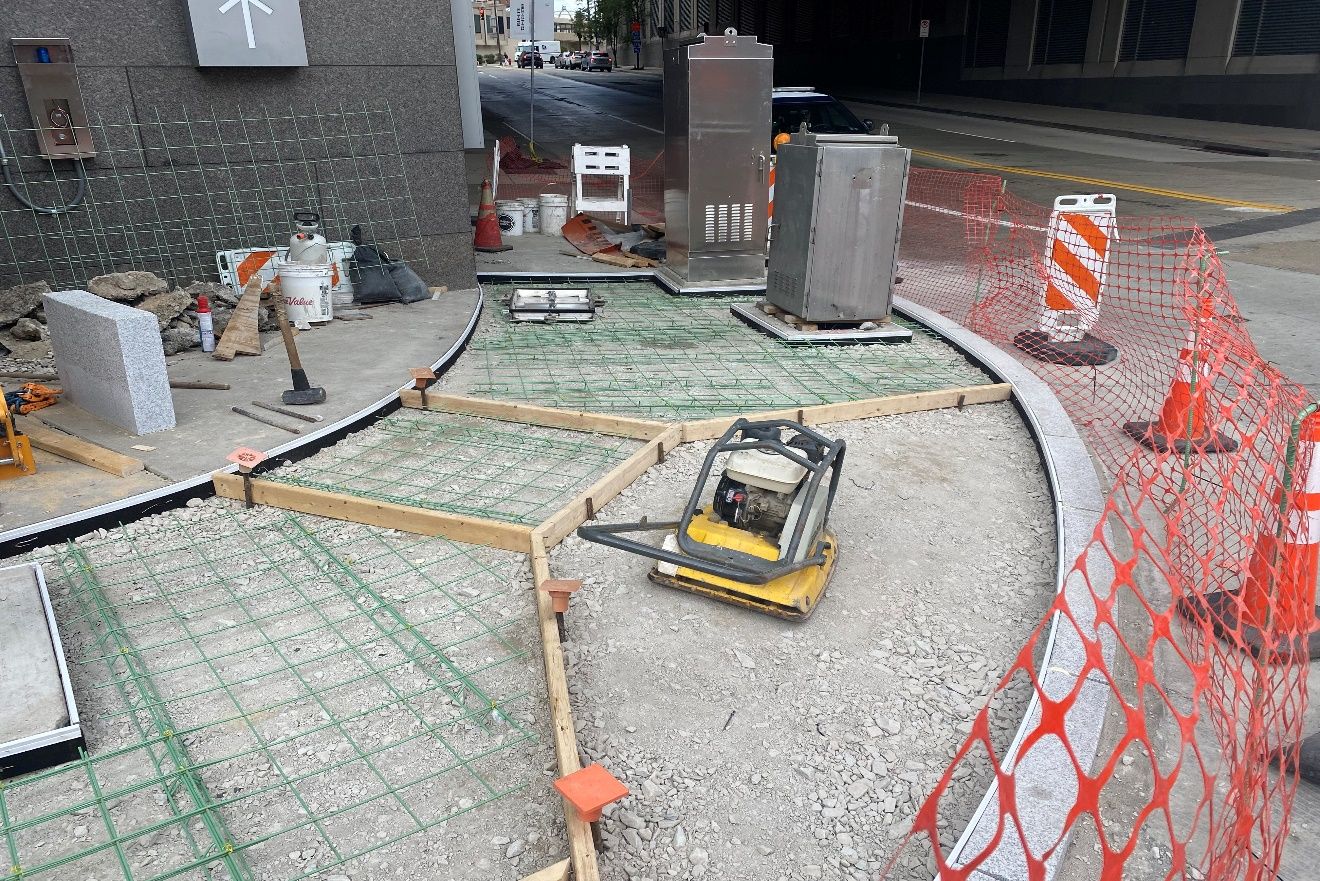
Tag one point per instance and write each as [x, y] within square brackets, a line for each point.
[1168, 737]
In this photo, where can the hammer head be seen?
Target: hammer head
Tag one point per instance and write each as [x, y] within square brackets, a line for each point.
[303, 392]
[306, 396]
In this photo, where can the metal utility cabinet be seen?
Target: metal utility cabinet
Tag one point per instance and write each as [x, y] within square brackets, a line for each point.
[838, 216]
[717, 162]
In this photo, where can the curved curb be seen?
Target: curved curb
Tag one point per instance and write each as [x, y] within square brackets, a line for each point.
[1044, 799]
[67, 526]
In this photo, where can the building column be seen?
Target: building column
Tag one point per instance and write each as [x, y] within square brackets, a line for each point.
[1212, 36]
[1021, 31]
[465, 63]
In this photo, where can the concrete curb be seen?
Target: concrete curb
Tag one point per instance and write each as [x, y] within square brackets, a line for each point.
[1041, 777]
[24, 538]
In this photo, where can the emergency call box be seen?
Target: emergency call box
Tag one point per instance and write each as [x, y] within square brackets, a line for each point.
[50, 83]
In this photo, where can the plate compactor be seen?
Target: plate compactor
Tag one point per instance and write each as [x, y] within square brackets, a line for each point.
[762, 542]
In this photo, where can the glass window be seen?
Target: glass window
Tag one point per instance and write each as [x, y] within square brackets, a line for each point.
[1278, 27]
[1061, 29]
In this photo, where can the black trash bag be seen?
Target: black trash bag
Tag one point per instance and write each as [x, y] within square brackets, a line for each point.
[378, 279]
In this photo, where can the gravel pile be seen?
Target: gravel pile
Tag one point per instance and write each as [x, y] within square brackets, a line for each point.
[758, 748]
[25, 339]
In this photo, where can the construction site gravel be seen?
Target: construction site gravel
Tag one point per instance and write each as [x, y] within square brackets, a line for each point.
[752, 747]
[759, 748]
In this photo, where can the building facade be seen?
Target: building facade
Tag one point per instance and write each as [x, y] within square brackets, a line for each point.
[139, 71]
[1255, 61]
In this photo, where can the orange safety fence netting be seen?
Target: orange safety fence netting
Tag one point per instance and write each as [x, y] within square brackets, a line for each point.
[1167, 681]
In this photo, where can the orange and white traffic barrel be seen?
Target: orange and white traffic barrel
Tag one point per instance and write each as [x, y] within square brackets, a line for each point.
[1081, 233]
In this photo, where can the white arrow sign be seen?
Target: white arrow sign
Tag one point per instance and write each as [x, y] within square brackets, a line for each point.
[247, 16]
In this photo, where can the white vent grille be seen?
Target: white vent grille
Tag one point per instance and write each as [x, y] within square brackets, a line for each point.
[726, 224]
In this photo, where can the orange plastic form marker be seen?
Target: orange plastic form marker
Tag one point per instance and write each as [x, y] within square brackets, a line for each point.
[246, 458]
[589, 790]
[560, 589]
[421, 376]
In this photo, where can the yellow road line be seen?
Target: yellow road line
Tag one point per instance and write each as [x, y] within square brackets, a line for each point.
[1103, 184]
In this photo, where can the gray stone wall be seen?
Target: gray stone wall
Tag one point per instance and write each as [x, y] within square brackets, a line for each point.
[135, 61]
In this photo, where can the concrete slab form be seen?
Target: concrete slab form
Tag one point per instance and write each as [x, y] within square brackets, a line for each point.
[663, 437]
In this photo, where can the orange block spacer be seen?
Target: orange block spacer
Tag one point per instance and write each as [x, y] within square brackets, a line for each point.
[421, 376]
[560, 589]
[589, 790]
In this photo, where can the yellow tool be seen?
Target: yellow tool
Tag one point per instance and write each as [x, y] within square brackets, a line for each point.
[15, 450]
[762, 543]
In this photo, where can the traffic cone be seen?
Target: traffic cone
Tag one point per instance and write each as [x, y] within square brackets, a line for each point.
[1184, 425]
[1274, 612]
[487, 238]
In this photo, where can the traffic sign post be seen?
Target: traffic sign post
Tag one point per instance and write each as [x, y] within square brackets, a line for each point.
[921, 64]
[637, 44]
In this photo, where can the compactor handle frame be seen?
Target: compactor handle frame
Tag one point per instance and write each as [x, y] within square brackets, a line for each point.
[723, 562]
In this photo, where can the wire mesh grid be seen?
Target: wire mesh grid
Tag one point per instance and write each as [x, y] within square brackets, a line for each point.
[654, 355]
[264, 698]
[463, 465]
[167, 194]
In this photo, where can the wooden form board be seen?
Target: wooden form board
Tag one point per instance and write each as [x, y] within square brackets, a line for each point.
[77, 449]
[581, 848]
[891, 405]
[338, 506]
[531, 414]
[557, 872]
[595, 497]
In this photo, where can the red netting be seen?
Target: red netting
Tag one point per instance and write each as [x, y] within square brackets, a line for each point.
[1164, 708]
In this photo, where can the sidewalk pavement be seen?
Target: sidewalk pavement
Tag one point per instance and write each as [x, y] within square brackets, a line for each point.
[1227, 137]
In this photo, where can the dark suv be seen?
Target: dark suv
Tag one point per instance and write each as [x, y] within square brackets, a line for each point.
[527, 59]
[794, 106]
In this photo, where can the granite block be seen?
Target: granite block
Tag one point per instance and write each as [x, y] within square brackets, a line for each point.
[111, 361]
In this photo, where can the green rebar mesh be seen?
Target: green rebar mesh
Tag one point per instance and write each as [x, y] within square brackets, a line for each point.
[462, 465]
[260, 689]
[653, 355]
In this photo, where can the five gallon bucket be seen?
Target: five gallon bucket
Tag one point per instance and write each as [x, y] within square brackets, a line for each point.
[510, 213]
[531, 214]
[306, 291]
[554, 213]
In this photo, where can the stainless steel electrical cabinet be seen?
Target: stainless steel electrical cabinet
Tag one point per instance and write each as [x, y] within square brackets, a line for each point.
[838, 217]
[717, 95]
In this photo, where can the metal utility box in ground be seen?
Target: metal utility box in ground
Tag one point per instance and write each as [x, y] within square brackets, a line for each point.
[39, 727]
[717, 162]
[838, 217]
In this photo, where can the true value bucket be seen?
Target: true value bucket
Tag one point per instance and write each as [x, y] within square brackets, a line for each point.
[510, 213]
[306, 291]
[554, 214]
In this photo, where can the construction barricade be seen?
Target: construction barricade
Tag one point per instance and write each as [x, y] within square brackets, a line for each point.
[1167, 681]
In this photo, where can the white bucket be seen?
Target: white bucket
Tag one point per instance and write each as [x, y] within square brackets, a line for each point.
[554, 213]
[306, 291]
[531, 214]
[510, 213]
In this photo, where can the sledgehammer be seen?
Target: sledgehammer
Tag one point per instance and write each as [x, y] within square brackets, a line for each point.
[303, 392]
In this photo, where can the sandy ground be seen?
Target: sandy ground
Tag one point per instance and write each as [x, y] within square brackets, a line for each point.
[759, 748]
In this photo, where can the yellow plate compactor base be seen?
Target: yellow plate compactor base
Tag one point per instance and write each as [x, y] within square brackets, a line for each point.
[792, 597]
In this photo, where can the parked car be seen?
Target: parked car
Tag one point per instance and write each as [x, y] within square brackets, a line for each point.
[823, 114]
[527, 59]
[564, 60]
[578, 58]
[598, 61]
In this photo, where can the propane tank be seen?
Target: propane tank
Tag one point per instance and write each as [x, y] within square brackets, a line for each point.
[307, 245]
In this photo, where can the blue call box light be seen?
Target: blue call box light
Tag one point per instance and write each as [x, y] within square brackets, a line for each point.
[43, 55]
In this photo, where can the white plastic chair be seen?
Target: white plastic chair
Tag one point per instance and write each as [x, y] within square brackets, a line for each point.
[613, 162]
